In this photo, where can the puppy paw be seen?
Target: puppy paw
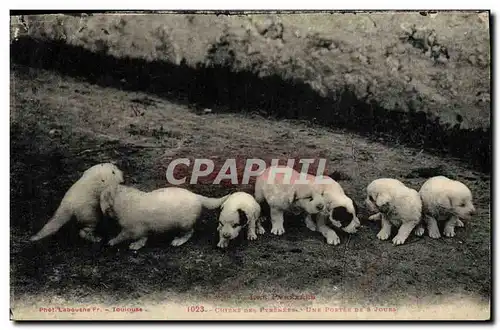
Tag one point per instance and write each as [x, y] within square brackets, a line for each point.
[419, 231]
[434, 234]
[223, 244]
[95, 239]
[383, 235]
[34, 238]
[252, 236]
[278, 231]
[311, 226]
[111, 242]
[332, 239]
[89, 235]
[350, 230]
[260, 231]
[336, 223]
[374, 217]
[398, 240]
[449, 231]
[135, 246]
[459, 223]
[178, 242]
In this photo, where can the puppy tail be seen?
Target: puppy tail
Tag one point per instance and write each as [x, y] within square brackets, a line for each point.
[258, 195]
[212, 203]
[62, 216]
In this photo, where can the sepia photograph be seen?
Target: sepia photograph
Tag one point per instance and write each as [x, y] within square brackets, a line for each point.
[250, 165]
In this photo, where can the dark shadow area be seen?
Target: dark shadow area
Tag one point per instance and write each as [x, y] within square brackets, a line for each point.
[219, 87]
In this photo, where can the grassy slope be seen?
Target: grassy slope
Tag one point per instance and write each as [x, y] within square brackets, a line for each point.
[99, 124]
[438, 63]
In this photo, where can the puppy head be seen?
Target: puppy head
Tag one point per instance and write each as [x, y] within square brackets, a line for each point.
[461, 202]
[107, 200]
[231, 224]
[109, 174]
[305, 198]
[377, 199]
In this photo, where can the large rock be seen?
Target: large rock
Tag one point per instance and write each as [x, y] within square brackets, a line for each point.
[427, 73]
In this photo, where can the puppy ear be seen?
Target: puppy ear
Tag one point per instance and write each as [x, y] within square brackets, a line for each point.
[356, 207]
[382, 202]
[341, 214]
[243, 217]
[121, 179]
[450, 201]
[107, 198]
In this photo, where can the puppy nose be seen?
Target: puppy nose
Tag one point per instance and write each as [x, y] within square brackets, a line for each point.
[226, 235]
[320, 207]
[472, 211]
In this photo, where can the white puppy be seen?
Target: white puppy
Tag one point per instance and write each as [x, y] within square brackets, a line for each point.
[82, 201]
[445, 200]
[394, 204]
[238, 211]
[282, 189]
[340, 210]
[140, 213]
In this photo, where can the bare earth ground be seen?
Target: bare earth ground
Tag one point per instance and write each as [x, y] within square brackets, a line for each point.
[61, 126]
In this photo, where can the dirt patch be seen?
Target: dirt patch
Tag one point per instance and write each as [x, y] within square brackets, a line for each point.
[94, 126]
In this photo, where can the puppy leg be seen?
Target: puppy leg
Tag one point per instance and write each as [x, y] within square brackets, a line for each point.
[251, 235]
[89, 217]
[403, 232]
[331, 236]
[310, 223]
[178, 241]
[122, 236]
[459, 223]
[432, 227]
[419, 230]
[260, 229]
[449, 227]
[352, 227]
[89, 234]
[375, 217]
[385, 232]
[138, 244]
[277, 222]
